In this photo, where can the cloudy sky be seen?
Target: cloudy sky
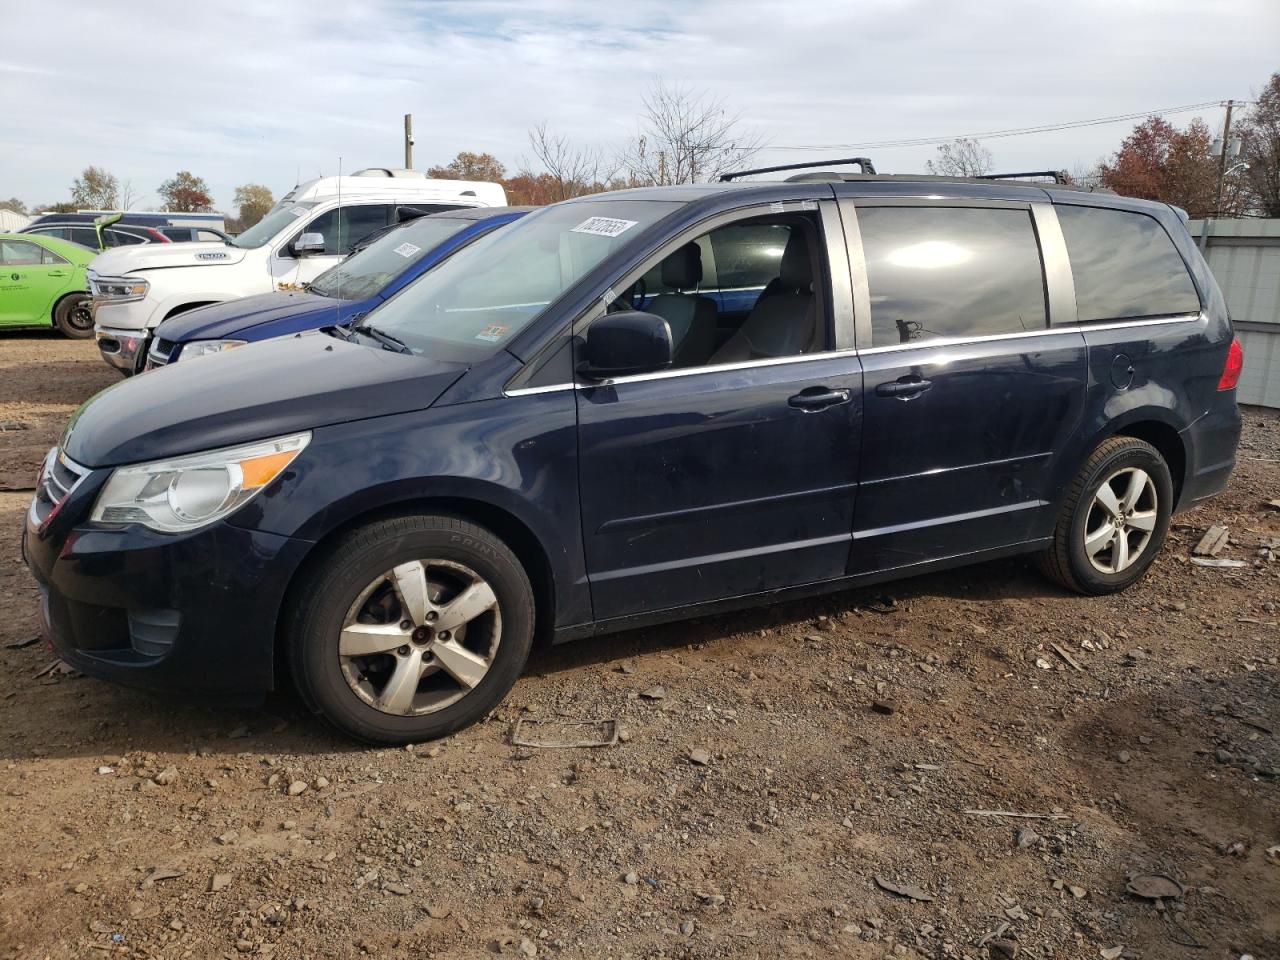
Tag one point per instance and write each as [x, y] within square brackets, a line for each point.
[258, 91]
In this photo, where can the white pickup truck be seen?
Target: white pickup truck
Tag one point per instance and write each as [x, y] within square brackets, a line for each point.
[309, 230]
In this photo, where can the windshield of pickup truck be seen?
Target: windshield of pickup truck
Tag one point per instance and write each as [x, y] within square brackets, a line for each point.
[365, 273]
[261, 232]
[477, 300]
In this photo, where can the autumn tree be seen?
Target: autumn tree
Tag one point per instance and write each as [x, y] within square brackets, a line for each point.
[960, 158]
[470, 166]
[1260, 132]
[184, 192]
[95, 189]
[1157, 161]
[685, 137]
[253, 201]
[14, 204]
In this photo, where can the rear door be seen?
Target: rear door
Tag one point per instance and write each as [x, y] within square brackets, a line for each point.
[968, 390]
[726, 478]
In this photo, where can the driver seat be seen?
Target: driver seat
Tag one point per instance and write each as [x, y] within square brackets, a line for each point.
[691, 316]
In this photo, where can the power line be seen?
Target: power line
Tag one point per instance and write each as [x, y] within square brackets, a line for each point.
[996, 134]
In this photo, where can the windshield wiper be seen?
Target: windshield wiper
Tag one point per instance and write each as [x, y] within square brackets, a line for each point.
[387, 340]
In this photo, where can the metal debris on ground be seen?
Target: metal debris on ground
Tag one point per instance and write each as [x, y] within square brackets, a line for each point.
[1212, 543]
[564, 734]
[1217, 562]
[909, 890]
[56, 669]
[1071, 661]
[19, 644]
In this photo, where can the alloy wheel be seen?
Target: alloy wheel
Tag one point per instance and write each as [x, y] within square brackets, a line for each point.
[1121, 519]
[420, 637]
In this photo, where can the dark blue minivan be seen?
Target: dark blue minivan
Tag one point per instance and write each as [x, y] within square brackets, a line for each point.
[634, 407]
[380, 267]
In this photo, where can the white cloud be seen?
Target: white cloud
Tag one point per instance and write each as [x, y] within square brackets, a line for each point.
[261, 91]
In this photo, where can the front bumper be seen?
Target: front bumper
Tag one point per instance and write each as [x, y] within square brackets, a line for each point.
[123, 349]
[196, 612]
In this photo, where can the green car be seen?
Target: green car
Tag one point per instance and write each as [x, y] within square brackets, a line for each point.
[42, 281]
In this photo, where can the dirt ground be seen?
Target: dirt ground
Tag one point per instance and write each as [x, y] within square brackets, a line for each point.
[846, 740]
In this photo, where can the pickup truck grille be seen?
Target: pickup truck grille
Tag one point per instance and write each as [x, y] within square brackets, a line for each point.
[58, 478]
[160, 352]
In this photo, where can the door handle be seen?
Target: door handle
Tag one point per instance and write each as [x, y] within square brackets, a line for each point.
[903, 389]
[818, 398]
[57, 273]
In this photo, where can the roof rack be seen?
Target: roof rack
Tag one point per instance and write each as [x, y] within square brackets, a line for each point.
[1059, 177]
[864, 166]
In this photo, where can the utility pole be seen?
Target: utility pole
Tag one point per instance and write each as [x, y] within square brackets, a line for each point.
[1222, 159]
[408, 139]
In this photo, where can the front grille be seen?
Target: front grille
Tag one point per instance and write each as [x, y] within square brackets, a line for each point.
[160, 352]
[58, 477]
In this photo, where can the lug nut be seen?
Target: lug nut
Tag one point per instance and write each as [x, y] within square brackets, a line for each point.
[432, 616]
[444, 634]
[406, 624]
[403, 651]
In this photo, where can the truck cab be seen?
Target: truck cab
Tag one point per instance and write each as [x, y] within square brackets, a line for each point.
[312, 228]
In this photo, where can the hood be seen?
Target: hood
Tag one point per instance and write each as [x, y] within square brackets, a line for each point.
[265, 390]
[224, 320]
[156, 256]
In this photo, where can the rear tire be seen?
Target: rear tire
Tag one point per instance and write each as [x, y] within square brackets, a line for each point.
[411, 628]
[72, 318]
[1114, 519]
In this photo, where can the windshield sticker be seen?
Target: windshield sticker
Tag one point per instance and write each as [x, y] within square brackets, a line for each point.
[608, 297]
[777, 207]
[299, 211]
[493, 332]
[808, 204]
[406, 249]
[604, 226]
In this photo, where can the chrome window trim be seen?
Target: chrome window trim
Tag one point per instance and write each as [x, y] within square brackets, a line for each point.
[835, 354]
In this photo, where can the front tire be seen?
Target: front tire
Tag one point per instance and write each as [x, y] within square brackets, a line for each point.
[72, 318]
[1114, 520]
[411, 628]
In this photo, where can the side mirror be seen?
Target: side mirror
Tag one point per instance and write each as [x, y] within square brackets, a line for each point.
[626, 342]
[308, 245]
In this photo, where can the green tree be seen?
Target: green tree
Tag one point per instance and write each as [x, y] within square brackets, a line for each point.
[184, 192]
[470, 166]
[95, 189]
[14, 204]
[254, 201]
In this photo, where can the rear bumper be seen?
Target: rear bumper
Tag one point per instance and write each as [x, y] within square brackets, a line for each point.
[186, 613]
[1211, 444]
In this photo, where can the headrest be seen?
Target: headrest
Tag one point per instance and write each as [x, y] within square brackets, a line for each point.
[796, 270]
[682, 270]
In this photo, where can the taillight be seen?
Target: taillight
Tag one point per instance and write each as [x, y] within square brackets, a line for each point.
[1231, 369]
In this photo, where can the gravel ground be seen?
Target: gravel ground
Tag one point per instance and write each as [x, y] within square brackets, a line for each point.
[795, 781]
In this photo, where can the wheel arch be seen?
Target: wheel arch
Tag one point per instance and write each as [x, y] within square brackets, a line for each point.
[187, 307]
[1168, 442]
[58, 301]
[512, 530]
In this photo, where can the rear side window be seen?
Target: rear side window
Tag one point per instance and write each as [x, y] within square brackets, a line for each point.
[951, 272]
[1125, 265]
[118, 238]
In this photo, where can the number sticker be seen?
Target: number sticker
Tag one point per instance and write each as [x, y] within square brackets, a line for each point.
[604, 226]
[493, 332]
[406, 249]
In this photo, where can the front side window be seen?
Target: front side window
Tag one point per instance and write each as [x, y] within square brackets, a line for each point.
[1124, 265]
[367, 271]
[473, 303]
[951, 272]
[344, 227]
[264, 231]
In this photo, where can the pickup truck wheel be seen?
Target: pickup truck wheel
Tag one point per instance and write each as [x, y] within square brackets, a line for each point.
[411, 628]
[1114, 520]
[72, 318]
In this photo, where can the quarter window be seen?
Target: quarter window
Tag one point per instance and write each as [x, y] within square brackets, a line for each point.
[19, 253]
[951, 272]
[1124, 265]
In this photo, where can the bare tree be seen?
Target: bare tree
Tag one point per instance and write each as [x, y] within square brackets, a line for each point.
[960, 158]
[574, 169]
[685, 137]
[129, 195]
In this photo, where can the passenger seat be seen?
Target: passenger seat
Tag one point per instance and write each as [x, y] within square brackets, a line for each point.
[692, 317]
[784, 323]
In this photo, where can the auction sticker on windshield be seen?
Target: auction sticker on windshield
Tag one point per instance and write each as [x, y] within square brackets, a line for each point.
[493, 332]
[604, 226]
[406, 249]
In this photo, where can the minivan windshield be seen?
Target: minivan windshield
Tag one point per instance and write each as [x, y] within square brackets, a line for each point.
[366, 272]
[261, 232]
[478, 299]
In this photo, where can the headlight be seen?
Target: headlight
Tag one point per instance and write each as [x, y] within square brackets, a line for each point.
[174, 496]
[118, 288]
[198, 348]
